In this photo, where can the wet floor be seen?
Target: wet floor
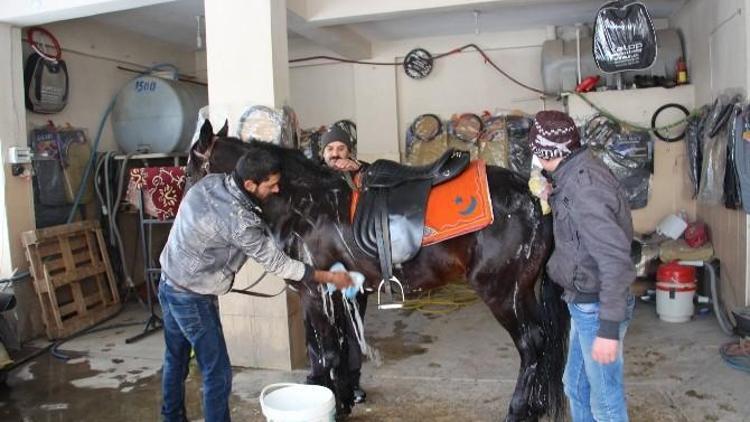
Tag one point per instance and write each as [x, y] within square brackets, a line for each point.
[462, 366]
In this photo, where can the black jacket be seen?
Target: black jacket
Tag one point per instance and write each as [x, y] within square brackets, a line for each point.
[593, 230]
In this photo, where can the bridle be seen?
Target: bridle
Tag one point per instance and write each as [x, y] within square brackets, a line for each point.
[206, 156]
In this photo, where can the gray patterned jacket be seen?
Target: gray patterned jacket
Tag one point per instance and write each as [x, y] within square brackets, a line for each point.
[218, 226]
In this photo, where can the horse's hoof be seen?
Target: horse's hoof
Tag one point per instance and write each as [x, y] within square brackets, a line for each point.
[359, 395]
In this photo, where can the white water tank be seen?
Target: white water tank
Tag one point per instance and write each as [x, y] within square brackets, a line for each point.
[153, 114]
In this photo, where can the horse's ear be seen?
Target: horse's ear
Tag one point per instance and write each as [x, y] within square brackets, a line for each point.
[224, 129]
[204, 139]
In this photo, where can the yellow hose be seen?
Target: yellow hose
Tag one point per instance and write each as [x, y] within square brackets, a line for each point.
[443, 300]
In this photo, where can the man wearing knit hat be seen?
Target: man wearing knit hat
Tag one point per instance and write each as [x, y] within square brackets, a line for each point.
[337, 150]
[337, 154]
[591, 261]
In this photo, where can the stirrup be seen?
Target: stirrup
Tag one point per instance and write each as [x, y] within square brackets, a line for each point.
[393, 304]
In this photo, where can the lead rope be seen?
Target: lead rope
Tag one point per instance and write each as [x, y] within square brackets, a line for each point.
[349, 181]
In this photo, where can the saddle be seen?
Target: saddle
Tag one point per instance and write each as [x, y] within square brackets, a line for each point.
[390, 215]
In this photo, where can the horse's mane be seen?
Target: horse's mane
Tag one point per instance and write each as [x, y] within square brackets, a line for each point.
[301, 173]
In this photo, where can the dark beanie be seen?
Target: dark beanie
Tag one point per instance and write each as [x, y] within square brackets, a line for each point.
[334, 134]
[554, 134]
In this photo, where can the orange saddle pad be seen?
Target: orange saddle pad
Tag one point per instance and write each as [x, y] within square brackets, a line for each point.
[457, 207]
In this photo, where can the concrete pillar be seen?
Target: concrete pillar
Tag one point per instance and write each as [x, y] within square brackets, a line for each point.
[16, 199]
[376, 112]
[247, 63]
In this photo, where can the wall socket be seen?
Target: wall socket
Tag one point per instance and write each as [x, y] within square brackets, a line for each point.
[19, 155]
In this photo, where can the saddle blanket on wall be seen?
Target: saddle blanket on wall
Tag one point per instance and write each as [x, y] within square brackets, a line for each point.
[459, 206]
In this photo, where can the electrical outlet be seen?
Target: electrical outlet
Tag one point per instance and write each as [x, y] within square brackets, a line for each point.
[19, 155]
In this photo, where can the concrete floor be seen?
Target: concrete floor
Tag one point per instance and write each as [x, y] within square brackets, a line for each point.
[456, 367]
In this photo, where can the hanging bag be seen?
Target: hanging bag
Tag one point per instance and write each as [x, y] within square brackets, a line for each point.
[45, 76]
[624, 37]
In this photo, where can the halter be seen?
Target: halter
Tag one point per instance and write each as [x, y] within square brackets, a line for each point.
[206, 156]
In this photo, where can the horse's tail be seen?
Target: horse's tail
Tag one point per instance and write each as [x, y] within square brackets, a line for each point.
[555, 321]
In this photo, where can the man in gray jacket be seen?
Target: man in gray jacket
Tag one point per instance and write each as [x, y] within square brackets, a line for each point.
[591, 261]
[218, 226]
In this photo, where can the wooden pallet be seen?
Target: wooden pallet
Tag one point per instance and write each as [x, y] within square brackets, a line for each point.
[72, 276]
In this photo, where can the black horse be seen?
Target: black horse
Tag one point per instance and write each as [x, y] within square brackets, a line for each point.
[502, 262]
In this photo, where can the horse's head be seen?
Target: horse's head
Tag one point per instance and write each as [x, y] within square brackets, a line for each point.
[311, 213]
[201, 160]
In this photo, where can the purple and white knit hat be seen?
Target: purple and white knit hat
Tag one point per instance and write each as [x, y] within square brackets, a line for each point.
[554, 134]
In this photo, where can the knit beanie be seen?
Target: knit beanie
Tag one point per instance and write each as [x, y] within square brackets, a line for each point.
[334, 134]
[553, 135]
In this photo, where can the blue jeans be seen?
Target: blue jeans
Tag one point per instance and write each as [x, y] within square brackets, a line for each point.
[595, 392]
[192, 320]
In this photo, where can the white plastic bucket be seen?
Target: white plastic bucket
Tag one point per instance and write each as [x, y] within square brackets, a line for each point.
[287, 402]
[674, 301]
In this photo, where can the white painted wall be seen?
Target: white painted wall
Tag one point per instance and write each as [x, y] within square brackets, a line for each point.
[95, 51]
[386, 101]
[715, 38]
[322, 94]
[16, 202]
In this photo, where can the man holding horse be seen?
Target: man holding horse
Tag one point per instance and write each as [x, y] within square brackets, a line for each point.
[219, 225]
[337, 150]
[593, 229]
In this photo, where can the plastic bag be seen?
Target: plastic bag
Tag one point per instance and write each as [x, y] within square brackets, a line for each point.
[463, 133]
[693, 141]
[599, 130]
[520, 148]
[731, 178]
[61, 156]
[636, 146]
[309, 143]
[290, 131]
[425, 152]
[493, 142]
[714, 148]
[742, 158]
[624, 37]
[634, 176]
[261, 123]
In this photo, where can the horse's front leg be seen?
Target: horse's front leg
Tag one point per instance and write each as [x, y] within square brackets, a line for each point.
[325, 326]
[515, 309]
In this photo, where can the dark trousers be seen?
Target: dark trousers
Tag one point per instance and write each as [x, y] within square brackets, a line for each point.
[192, 321]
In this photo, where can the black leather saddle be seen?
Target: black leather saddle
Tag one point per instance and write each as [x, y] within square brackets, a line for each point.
[389, 218]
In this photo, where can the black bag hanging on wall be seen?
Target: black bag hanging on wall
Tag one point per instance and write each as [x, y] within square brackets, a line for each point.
[46, 84]
[624, 37]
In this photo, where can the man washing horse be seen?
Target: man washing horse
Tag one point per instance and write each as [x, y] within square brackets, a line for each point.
[338, 155]
[220, 224]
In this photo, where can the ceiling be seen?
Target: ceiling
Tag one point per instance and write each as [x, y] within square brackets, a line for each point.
[175, 22]
[496, 18]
